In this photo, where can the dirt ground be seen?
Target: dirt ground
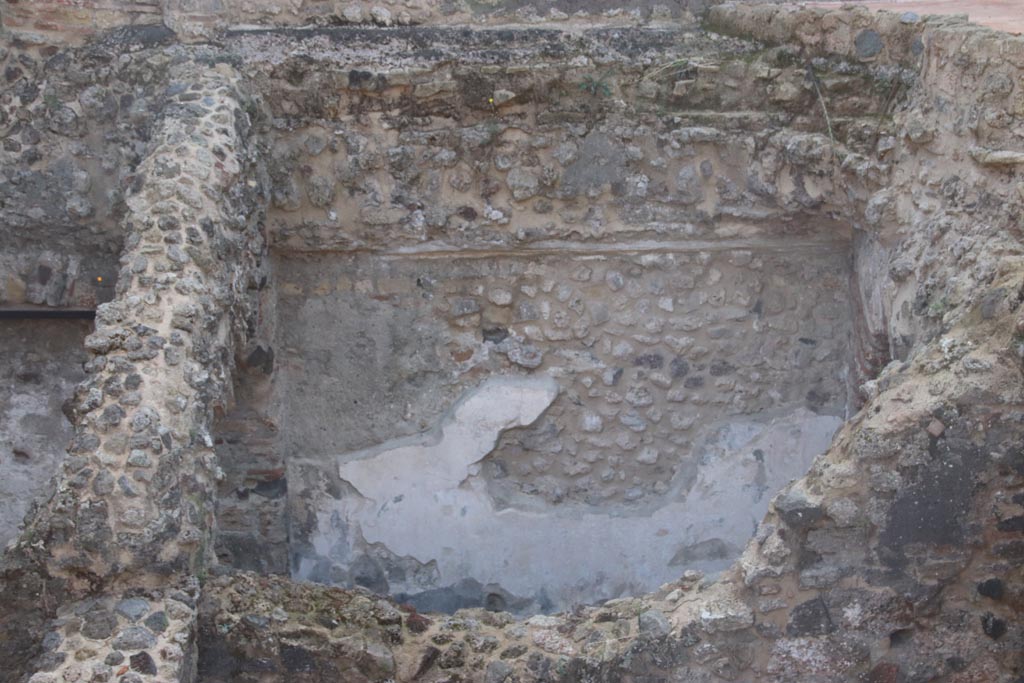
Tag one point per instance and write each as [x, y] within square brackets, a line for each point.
[1005, 15]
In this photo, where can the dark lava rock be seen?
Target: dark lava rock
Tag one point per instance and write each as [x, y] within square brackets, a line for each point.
[992, 588]
[868, 43]
[297, 659]
[134, 638]
[142, 663]
[654, 623]
[99, 625]
[454, 657]
[993, 626]
[495, 335]
[810, 618]
[796, 511]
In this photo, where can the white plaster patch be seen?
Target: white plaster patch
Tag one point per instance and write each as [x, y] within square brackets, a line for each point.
[421, 467]
[420, 498]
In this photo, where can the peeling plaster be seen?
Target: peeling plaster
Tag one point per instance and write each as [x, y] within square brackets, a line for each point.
[420, 497]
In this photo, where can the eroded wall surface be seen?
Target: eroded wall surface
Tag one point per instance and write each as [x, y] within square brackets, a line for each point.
[451, 205]
[74, 130]
[896, 557]
[41, 364]
[668, 365]
[899, 543]
[44, 21]
[132, 511]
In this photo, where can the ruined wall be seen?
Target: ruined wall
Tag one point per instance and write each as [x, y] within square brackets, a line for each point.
[947, 235]
[953, 156]
[76, 21]
[669, 365]
[41, 364]
[196, 19]
[896, 557]
[252, 519]
[74, 129]
[132, 512]
[598, 214]
[596, 135]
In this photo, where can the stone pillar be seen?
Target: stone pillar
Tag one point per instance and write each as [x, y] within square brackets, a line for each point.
[132, 515]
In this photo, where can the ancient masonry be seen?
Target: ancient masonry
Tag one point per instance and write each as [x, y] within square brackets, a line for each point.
[463, 341]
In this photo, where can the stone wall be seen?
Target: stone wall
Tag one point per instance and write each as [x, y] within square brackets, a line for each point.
[897, 556]
[252, 519]
[132, 512]
[55, 279]
[42, 362]
[595, 135]
[867, 567]
[74, 21]
[74, 129]
[667, 363]
[596, 212]
[199, 19]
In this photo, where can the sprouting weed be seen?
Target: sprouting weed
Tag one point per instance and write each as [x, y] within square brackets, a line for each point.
[596, 86]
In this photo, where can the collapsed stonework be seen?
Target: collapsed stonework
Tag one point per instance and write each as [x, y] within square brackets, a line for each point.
[504, 315]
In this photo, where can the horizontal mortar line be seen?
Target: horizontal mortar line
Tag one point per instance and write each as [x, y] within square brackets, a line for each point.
[457, 30]
[577, 248]
[42, 312]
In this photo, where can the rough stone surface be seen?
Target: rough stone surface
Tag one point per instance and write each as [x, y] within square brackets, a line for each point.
[821, 169]
[666, 423]
[160, 358]
[42, 361]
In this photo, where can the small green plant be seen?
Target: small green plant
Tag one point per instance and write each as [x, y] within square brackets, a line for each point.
[51, 100]
[597, 87]
[493, 131]
[938, 308]
[251, 110]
